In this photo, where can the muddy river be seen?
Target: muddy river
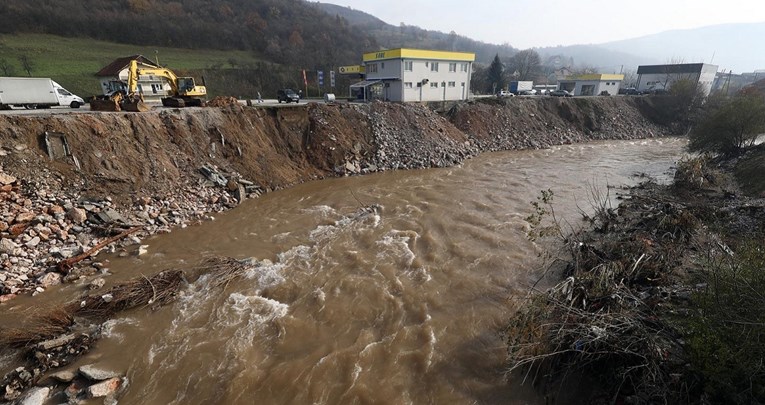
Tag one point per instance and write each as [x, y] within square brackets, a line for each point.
[399, 305]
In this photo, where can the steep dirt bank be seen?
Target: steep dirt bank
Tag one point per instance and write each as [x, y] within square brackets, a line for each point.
[144, 169]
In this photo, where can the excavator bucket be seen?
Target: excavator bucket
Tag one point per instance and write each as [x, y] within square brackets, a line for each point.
[104, 105]
[135, 106]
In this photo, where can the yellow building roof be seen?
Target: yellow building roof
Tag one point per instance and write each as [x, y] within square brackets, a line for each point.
[596, 77]
[404, 53]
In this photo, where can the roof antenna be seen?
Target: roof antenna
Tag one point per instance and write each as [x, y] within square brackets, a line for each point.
[713, 57]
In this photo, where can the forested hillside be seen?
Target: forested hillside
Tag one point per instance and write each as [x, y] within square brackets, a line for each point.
[291, 32]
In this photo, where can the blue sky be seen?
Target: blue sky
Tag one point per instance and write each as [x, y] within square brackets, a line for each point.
[538, 23]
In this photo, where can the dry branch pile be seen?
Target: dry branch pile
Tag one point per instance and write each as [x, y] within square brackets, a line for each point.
[605, 319]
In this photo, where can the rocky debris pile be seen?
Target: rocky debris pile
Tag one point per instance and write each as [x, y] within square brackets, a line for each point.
[222, 101]
[534, 123]
[43, 225]
[407, 137]
[69, 386]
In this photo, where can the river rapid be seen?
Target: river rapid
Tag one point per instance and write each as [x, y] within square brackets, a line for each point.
[400, 304]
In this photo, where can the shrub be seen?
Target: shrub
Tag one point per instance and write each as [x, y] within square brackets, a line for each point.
[727, 332]
[730, 128]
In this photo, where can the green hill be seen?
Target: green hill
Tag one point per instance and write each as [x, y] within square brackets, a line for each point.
[73, 62]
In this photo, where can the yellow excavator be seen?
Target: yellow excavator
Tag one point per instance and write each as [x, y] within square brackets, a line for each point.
[184, 92]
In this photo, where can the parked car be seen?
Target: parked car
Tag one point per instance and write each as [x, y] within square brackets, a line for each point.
[287, 95]
[504, 93]
[527, 92]
[605, 93]
[561, 93]
[630, 91]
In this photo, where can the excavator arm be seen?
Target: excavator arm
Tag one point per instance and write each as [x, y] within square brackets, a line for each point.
[183, 87]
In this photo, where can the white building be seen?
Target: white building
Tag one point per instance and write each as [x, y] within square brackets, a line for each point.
[114, 77]
[592, 84]
[415, 75]
[661, 77]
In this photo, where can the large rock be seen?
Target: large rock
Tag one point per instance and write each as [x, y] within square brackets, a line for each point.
[77, 215]
[64, 376]
[6, 179]
[33, 242]
[24, 217]
[50, 279]
[7, 246]
[105, 388]
[92, 372]
[35, 396]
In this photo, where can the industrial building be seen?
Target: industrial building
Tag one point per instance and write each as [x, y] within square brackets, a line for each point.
[661, 77]
[415, 75]
[592, 84]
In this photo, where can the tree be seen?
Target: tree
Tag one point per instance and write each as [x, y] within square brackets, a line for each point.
[496, 79]
[730, 128]
[527, 63]
[479, 80]
[26, 64]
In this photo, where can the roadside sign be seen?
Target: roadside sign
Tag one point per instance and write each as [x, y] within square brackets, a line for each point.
[320, 75]
[332, 78]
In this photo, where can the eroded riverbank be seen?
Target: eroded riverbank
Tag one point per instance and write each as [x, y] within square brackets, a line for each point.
[162, 170]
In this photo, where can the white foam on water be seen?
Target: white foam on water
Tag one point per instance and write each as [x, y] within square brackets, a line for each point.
[323, 210]
[397, 244]
[366, 216]
[109, 329]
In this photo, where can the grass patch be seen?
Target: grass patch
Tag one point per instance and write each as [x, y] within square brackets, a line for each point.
[73, 62]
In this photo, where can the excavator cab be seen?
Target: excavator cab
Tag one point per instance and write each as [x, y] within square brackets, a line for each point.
[188, 94]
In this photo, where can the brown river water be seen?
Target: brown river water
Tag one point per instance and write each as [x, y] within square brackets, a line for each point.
[399, 306]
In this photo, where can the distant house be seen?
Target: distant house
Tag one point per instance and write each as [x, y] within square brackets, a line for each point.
[661, 77]
[415, 75]
[114, 77]
[592, 84]
[730, 83]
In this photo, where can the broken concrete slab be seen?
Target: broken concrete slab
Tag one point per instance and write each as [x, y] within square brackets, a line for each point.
[57, 146]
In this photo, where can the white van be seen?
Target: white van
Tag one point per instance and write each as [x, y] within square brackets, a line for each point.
[35, 92]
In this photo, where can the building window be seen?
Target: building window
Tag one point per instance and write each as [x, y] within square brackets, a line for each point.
[427, 63]
[407, 85]
[434, 66]
[452, 67]
[464, 67]
[463, 84]
[452, 84]
[382, 65]
[373, 68]
[408, 65]
[433, 85]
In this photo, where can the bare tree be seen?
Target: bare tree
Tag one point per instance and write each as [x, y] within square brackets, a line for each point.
[526, 63]
[26, 64]
[630, 78]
